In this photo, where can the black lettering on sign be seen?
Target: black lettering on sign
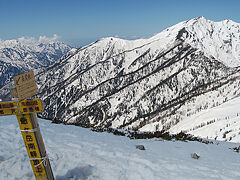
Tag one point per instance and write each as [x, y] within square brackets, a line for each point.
[39, 169]
[8, 105]
[31, 103]
[23, 78]
[31, 146]
[31, 109]
[28, 76]
[23, 120]
[29, 138]
[33, 154]
[17, 80]
[36, 162]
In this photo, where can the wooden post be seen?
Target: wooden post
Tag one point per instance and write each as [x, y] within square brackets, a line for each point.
[25, 110]
[26, 87]
[35, 147]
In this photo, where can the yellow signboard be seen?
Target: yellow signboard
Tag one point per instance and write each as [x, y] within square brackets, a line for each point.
[30, 106]
[25, 107]
[26, 85]
[8, 108]
[29, 137]
[25, 111]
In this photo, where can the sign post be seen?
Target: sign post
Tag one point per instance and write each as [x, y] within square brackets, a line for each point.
[25, 110]
[25, 85]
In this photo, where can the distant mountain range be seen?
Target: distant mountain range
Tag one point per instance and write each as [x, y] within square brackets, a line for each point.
[26, 54]
[146, 84]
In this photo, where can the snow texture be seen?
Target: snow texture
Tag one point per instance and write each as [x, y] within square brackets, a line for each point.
[80, 154]
[221, 122]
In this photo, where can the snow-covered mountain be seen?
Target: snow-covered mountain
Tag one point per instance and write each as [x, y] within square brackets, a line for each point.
[146, 84]
[220, 40]
[26, 54]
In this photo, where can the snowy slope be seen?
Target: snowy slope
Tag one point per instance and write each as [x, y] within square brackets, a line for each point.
[26, 54]
[221, 122]
[218, 39]
[78, 153]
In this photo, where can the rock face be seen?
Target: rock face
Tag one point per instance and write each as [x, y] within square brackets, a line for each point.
[26, 54]
[146, 84]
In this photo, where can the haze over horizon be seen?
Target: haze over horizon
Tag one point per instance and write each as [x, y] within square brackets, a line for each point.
[81, 22]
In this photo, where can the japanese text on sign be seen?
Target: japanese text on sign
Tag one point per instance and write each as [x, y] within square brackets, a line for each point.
[8, 108]
[30, 141]
[26, 85]
[30, 106]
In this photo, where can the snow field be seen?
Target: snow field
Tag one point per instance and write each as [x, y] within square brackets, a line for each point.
[78, 153]
[226, 119]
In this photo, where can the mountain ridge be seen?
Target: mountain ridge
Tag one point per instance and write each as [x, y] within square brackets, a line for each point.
[146, 84]
[27, 54]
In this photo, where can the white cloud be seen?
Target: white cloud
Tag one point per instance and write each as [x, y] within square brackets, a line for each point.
[26, 40]
[41, 39]
[45, 39]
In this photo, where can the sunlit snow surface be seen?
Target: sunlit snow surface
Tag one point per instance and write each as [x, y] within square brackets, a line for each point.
[78, 153]
[226, 124]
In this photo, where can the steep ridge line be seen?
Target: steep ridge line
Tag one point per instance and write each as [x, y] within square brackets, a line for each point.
[112, 79]
[181, 99]
[131, 73]
[76, 75]
[164, 65]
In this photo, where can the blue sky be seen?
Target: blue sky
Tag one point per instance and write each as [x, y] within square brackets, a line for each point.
[80, 22]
